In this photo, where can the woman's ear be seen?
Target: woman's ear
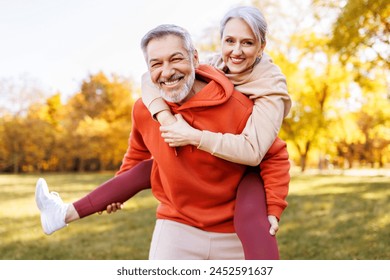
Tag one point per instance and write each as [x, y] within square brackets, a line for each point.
[260, 53]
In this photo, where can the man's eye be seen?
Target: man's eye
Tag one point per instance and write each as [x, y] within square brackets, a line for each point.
[155, 65]
[177, 59]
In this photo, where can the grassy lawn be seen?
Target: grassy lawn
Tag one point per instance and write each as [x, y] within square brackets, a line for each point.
[328, 217]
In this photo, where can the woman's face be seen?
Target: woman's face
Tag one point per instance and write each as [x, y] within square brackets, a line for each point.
[240, 48]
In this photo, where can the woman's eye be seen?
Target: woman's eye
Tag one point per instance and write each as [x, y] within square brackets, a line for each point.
[248, 43]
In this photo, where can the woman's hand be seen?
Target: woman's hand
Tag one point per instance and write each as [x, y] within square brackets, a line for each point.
[274, 224]
[180, 133]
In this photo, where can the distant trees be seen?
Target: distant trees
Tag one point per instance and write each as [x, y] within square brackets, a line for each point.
[88, 132]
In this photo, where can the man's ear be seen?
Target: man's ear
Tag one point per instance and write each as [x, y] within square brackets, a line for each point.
[196, 58]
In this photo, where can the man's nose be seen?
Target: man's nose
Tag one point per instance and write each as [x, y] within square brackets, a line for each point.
[167, 71]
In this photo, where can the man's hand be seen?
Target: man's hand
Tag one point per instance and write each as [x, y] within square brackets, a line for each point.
[180, 133]
[274, 224]
[112, 208]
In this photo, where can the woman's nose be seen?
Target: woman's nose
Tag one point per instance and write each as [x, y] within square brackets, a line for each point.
[237, 49]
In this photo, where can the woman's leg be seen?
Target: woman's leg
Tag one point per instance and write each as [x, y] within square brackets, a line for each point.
[118, 189]
[251, 220]
[55, 214]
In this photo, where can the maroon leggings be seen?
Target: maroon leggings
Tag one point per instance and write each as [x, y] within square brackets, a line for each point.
[250, 217]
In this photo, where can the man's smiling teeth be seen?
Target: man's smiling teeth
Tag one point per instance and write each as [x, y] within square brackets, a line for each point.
[171, 82]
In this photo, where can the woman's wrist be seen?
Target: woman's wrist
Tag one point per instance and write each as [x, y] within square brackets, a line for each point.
[196, 138]
[165, 117]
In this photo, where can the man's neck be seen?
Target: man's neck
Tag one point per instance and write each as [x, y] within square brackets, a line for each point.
[197, 87]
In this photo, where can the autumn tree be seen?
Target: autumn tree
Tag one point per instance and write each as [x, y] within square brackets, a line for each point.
[362, 29]
[361, 35]
[316, 82]
[17, 130]
[100, 122]
[12, 143]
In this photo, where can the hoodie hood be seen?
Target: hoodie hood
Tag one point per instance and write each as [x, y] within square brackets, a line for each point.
[217, 91]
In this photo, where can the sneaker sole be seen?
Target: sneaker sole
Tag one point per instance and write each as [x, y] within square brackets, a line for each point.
[42, 191]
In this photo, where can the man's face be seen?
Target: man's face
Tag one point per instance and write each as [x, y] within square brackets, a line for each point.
[171, 67]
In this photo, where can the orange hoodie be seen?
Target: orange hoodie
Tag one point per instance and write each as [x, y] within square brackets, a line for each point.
[192, 186]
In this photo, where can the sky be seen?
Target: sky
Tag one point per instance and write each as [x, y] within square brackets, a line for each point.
[58, 43]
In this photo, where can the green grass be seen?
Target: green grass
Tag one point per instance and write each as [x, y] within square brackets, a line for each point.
[328, 218]
[124, 235]
[336, 218]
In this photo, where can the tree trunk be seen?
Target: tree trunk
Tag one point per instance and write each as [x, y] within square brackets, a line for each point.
[15, 163]
[303, 162]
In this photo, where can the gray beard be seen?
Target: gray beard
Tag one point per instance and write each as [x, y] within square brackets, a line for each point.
[180, 95]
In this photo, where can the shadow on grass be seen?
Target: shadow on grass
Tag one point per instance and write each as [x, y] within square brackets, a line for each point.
[338, 220]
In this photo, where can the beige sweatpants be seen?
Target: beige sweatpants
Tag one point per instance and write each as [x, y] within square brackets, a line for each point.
[176, 241]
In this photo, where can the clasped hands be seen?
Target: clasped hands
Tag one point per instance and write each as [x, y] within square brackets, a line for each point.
[180, 133]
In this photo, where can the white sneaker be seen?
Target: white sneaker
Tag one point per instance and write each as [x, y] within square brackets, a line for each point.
[53, 210]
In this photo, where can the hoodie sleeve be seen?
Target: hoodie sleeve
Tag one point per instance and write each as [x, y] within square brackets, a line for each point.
[275, 172]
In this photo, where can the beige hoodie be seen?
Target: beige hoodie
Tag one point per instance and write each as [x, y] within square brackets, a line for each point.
[266, 86]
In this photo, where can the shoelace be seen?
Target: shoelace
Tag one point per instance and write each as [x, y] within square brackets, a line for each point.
[57, 196]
